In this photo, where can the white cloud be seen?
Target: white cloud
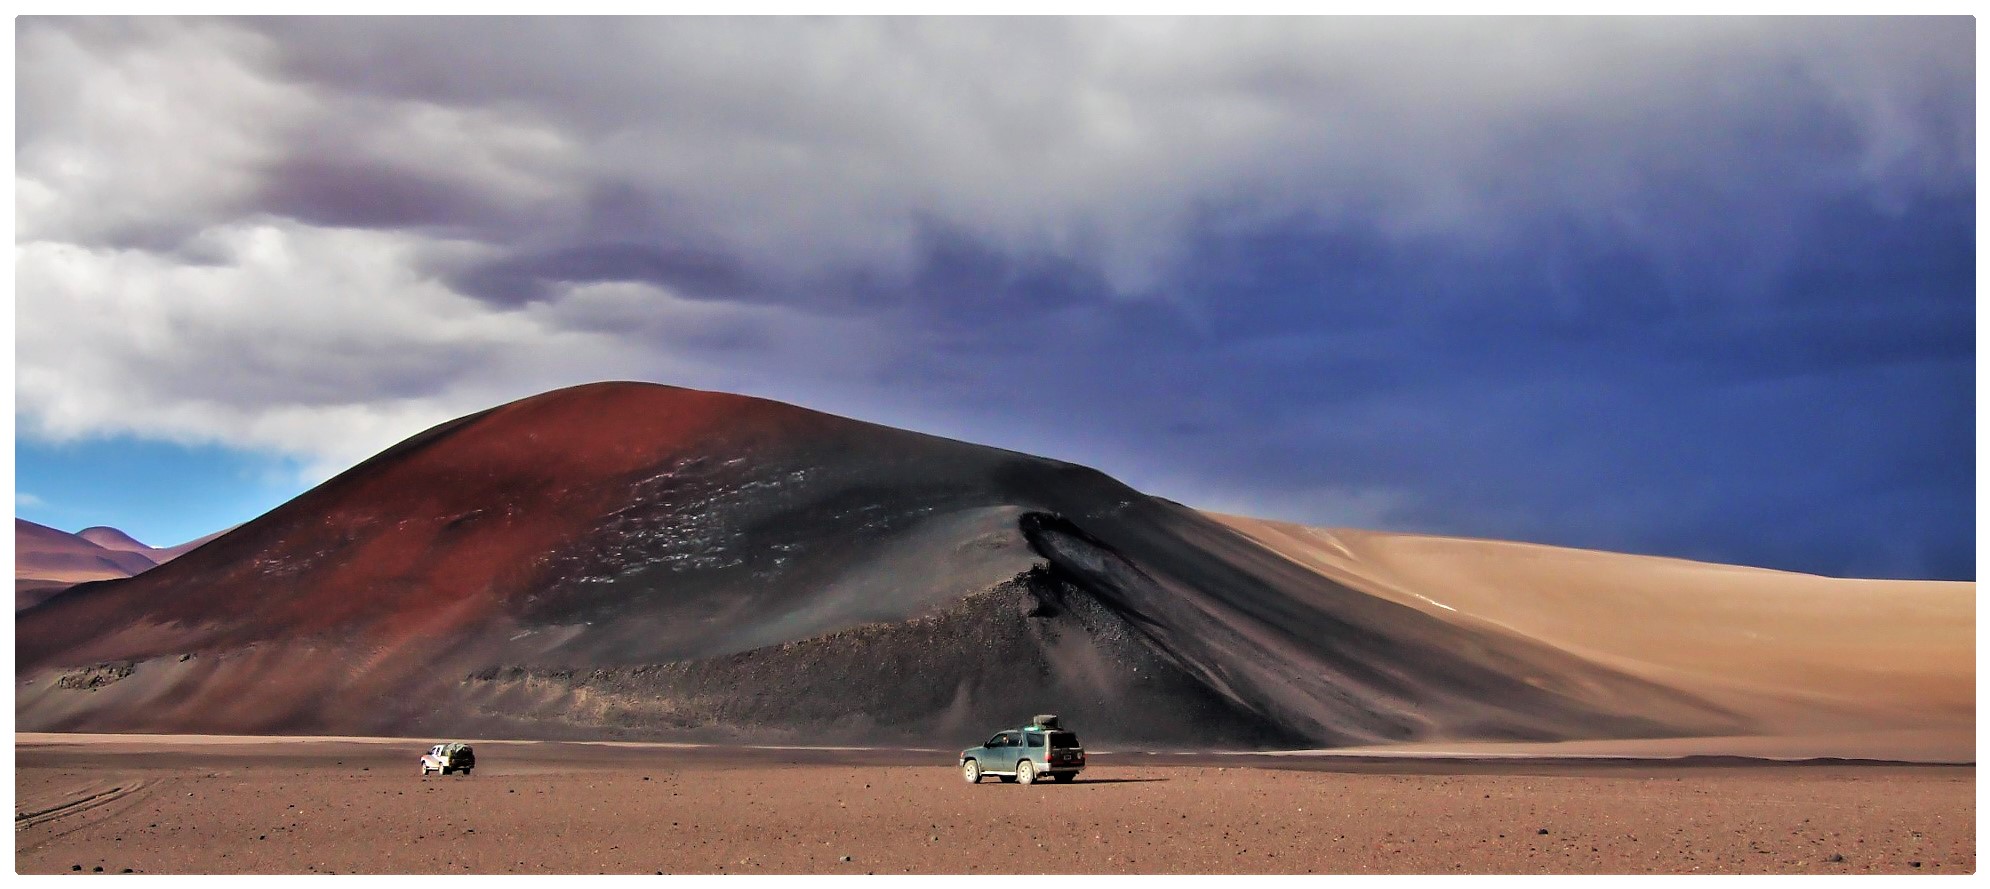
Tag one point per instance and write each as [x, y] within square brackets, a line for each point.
[327, 344]
[23, 498]
[131, 129]
[809, 144]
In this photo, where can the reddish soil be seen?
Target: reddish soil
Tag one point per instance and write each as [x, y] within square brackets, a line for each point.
[178, 805]
[434, 533]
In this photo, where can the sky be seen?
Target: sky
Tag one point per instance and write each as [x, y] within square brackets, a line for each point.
[1690, 287]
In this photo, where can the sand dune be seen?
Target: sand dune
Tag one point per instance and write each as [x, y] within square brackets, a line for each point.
[1807, 658]
[638, 561]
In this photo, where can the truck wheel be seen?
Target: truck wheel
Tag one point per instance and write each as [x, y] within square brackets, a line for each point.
[1025, 773]
[970, 772]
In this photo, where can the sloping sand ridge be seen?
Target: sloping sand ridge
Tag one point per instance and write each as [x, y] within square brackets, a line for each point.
[1822, 666]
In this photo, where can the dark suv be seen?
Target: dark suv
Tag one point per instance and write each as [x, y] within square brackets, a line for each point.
[1025, 754]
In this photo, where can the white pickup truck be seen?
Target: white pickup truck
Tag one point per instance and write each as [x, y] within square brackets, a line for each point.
[446, 758]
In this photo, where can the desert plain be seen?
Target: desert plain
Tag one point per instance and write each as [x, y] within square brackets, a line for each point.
[185, 804]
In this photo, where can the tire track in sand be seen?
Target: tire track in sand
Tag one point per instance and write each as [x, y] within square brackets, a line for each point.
[74, 802]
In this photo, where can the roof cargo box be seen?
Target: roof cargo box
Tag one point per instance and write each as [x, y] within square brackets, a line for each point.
[1045, 720]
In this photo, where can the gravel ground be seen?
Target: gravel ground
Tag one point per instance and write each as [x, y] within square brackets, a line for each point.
[155, 805]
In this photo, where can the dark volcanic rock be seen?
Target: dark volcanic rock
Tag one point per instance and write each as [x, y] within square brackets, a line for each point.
[94, 677]
[628, 560]
[1034, 641]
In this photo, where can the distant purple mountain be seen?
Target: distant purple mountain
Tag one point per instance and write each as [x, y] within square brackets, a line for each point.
[48, 561]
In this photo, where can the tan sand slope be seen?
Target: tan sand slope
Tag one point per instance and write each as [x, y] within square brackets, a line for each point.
[1809, 658]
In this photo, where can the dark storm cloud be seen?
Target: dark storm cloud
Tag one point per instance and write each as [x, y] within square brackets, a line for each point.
[1822, 422]
[820, 144]
[323, 191]
[1690, 286]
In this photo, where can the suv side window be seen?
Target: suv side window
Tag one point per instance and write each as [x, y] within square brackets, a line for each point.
[999, 740]
[1035, 739]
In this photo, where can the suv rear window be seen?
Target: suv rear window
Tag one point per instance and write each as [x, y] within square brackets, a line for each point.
[1064, 739]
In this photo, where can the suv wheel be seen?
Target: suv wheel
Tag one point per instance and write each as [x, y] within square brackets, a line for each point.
[970, 772]
[1025, 773]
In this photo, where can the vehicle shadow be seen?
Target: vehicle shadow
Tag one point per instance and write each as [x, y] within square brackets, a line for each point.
[1116, 780]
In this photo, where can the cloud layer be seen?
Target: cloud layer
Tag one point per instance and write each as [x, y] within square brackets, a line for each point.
[1518, 276]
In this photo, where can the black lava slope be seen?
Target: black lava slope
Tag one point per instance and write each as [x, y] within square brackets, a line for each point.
[636, 561]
